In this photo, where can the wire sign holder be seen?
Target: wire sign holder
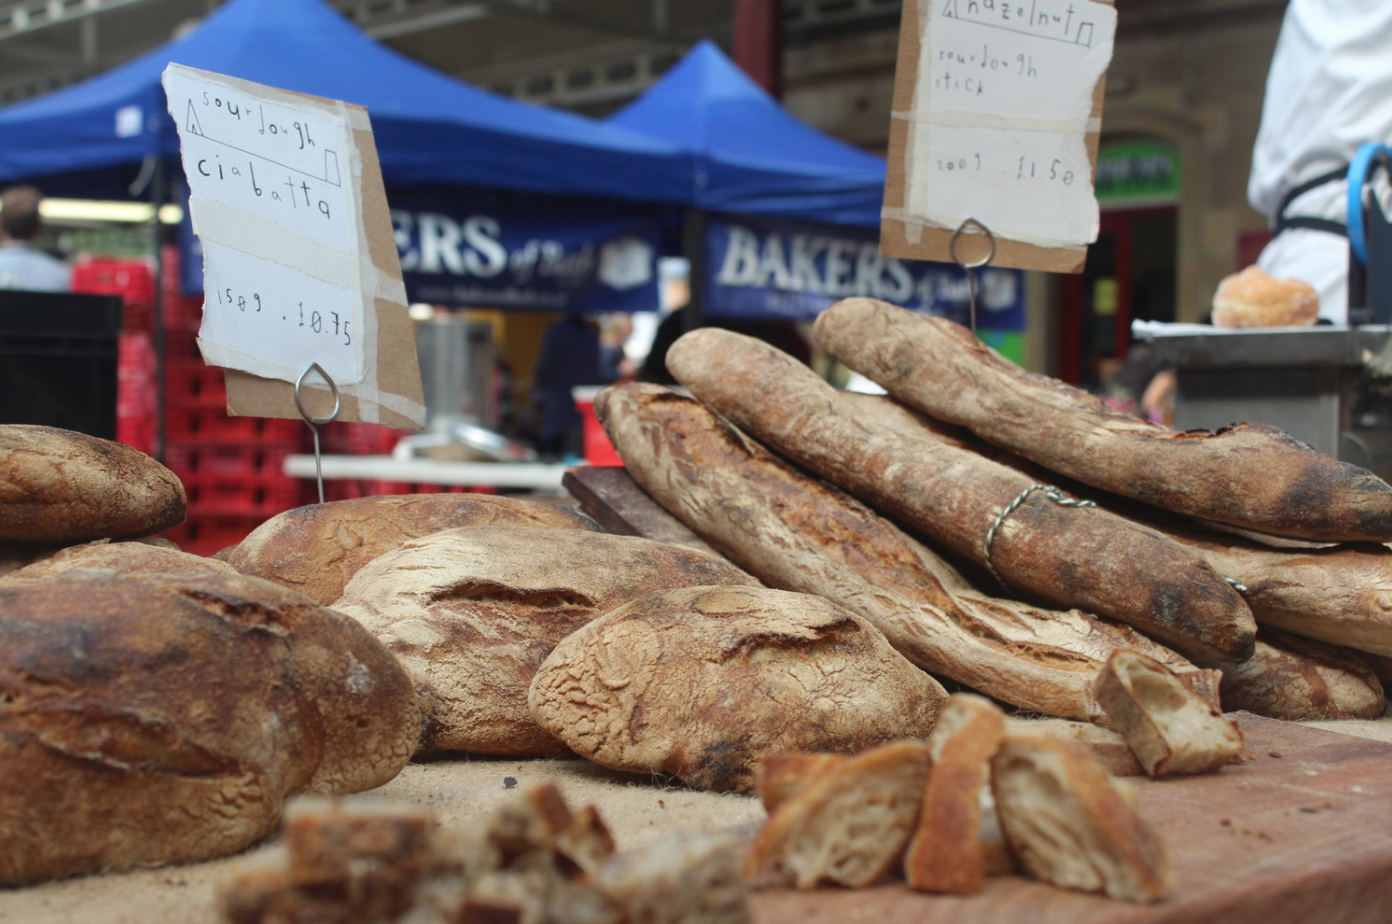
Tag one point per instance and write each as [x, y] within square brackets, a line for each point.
[970, 267]
[314, 423]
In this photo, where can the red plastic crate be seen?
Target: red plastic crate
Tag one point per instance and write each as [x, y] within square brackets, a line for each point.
[208, 535]
[133, 280]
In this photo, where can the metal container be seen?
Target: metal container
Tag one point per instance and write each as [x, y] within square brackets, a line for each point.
[459, 373]
[1320, 384]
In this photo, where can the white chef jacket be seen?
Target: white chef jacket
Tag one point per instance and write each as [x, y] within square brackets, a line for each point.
[1329, 92]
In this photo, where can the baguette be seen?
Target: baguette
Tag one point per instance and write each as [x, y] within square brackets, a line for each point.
[1341, 595]
[1299, 679]
[1250, 475]
[797, 533]
[1072, 557]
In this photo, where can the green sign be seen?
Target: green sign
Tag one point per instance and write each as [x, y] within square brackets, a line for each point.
[1139, 170]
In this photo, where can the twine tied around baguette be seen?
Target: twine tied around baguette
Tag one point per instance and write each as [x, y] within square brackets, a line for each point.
[1049, 491]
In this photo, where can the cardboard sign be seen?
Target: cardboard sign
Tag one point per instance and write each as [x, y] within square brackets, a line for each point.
[300, 264]
[997, 111]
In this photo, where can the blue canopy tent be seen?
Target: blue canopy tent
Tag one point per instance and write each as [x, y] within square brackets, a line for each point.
[745, 154]
[783, 219]
[91, 138]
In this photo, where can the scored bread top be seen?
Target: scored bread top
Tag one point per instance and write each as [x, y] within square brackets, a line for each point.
[318, 548]
[62, 486]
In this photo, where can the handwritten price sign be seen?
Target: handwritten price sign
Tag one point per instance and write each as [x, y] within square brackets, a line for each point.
[996, 119]
[279, 222]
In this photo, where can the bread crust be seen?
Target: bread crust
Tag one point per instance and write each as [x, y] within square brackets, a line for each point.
[1072, 557]
[849, 826]
[801, 534]
[701, 682]
[318, 548]
[946, 853]
[1299, 680]
[1068, 823]
[1170, 729]
[942, 369]
[471, 613]
[148, 720]
[60, 486]
[127, 557]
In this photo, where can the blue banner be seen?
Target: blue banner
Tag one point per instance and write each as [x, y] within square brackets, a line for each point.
[758, 268]
[487, 250]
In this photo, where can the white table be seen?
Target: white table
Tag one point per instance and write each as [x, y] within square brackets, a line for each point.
[533, 475]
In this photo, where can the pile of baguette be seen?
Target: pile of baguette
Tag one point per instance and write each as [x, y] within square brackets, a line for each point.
[1008, 533]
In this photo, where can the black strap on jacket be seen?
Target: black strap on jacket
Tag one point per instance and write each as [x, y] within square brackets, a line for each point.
[1303, 221]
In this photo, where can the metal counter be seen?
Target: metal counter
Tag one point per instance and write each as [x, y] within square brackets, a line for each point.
[1312, 382]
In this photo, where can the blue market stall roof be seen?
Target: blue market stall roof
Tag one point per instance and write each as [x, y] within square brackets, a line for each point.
[430, 128]
[746, 154]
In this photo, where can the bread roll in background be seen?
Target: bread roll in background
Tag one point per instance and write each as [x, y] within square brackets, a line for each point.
[702, 682]
[163, 719]
[1253, 298]
[318, 548]
[473, 612]
[59, 486]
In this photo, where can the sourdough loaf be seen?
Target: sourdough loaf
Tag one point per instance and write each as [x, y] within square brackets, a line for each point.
[1070, 556]
[701, 682]
[163, 719]
[60, 486]
[472, 613]
[126, 557]
[317, 549]
[941, 368]
[798, 533]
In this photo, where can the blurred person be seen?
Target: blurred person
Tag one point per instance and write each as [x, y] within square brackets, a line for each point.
[23, 265]
[614, 333]
[1329, 91]
[569, 356]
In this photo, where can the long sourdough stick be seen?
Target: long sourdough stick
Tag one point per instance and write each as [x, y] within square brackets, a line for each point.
[1248, 475]
[1339, 594]
[797, 533]
[1072, 557]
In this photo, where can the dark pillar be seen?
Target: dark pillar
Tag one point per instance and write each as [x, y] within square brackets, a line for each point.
[759, 42]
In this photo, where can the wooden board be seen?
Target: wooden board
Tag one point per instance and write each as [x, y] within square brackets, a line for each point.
[609, 495]
[1299, 833]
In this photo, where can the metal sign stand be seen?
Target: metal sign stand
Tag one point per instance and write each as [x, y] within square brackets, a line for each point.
[971, 267]
[315, 422]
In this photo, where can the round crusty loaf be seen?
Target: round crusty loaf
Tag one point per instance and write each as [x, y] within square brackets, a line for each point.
[148, 720]
[701, 682]
[61, 486]
[317, 549]
[1253, 298]
[127, 557]
[472, 613]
